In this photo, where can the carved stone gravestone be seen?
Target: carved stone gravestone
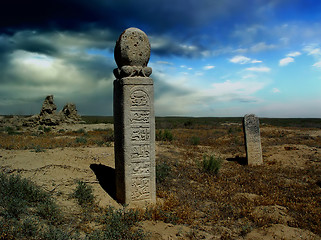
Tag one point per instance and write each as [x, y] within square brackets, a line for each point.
[134, 120]
[252, 138]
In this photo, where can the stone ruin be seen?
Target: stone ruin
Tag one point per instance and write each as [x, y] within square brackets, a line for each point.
[134, 120]
[251, 127]
[48, 116]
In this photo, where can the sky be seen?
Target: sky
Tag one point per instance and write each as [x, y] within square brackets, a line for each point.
[210, 58]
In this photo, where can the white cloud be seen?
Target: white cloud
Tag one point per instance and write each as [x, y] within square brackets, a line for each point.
[275, 90]
[312, 50]
[293, 54]
[243, 60]
[286, 61]
[262, 46]
[258, 69]
[240, 59]
[208, 67]
[317, 64]
[230, 88]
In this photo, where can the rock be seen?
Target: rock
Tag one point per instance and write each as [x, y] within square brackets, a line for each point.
[31, 121]
[50, 120]
[69, 114]
[48, 106]
[48, 116]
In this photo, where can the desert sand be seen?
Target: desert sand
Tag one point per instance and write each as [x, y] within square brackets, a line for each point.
[58, 170]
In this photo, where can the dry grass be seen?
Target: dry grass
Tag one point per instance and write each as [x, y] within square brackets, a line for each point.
[194, 197]
[52, 140]
[214, 198]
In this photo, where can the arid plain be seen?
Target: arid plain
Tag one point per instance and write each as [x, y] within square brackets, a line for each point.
[280, 199]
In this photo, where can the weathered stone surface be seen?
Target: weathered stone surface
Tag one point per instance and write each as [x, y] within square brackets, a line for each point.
[132, 53]
[48, 106]
[69, 113]
[134, 122]
[47, 116]
[252, 138]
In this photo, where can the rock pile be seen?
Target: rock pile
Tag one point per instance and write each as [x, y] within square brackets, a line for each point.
[48, 115]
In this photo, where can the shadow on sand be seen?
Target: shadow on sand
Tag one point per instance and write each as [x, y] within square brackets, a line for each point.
[106, 177]
[239, 160]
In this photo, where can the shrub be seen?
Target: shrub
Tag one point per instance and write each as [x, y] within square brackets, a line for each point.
[118, 224]
[84, 194]
[38, 149]
[211, 164]
[11, 131]
[82, 131]
[195, 140]
[165, 135]
[162, 171]
[19, 194]
[81, 140]
[47, 129]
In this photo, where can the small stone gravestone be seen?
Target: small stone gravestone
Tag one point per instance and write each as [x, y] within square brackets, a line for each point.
[134, 120]
[252, 138]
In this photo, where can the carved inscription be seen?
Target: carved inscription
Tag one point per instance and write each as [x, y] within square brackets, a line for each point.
[140, 144]
[139, 98]
[252, 139]
[139, 116]
[140, 151]
[141, 168]
[140, 134]
[140, 188]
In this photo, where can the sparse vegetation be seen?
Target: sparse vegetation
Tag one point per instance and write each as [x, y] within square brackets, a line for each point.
[47, 129]
[81, 140]
[211, 164]
[84, 194]
[163, 171]
[25, 209]
[195, 140]
[118, 224]
[192, 192]
[164, 135]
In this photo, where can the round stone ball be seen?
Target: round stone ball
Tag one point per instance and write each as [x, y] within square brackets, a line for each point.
[132, 48]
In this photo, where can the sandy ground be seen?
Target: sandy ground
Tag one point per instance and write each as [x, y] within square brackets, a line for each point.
[57, 171]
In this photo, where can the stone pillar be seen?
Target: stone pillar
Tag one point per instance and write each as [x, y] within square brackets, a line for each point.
[252, 138]
[134, 120]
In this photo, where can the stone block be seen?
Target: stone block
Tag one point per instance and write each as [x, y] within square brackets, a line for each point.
[252, 138]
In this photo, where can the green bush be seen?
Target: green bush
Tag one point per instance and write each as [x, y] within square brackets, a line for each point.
[211, 164]
[47, 129]
[163, 170]
[38, 149]
[11, 131]
[165, 135]
[24, 208]
[82, 131]
[84, 194]
[195, 140]
[118, 224]
[82, 140]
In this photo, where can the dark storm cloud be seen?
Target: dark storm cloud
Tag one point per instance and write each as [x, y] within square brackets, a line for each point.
[200, 23]
[177, 19]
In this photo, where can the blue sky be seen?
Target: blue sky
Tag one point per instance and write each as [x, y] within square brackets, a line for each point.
[209, 58]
